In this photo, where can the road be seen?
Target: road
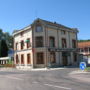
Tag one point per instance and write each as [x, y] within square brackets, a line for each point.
[41, 80]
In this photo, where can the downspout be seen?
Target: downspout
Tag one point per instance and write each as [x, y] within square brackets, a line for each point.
[58, 44]
[33, 46]
[69, 45]
[46, 44]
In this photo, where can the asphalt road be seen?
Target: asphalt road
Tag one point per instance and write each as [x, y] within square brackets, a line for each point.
[41, 80]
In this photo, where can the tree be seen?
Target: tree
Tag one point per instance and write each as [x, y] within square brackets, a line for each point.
[9, 40]
[6, 42]
[4, 48]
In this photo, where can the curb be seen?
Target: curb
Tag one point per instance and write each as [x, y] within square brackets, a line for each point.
[23, 69]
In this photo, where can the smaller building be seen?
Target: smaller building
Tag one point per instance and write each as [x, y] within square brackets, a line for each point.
[84, 50]
[4, 60]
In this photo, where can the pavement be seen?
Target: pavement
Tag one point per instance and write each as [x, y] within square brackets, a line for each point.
[35, 69]
[80, 75]
[55, 79]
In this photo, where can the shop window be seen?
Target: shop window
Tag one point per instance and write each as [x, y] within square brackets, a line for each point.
[40, 58]
[39, 41]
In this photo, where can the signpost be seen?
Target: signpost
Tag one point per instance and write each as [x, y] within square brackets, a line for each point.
[88, 60]
[82, 65]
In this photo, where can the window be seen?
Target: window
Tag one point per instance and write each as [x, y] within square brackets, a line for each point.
[17, 60]
[28, 59]
[52, 42]
[40, 58]
[79, 50]
[28, 42]
[39, 41]
[22, 44]
[16, 46]
[21, 33]
[39, 28]
[64, 45]
[89, 49]
[63, 32]
[86, 49]
[73, 43]
[22, 59]
[82, 50]
[52, 57]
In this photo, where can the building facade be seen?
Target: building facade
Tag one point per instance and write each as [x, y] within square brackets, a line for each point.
[84, 50]
[44, 44]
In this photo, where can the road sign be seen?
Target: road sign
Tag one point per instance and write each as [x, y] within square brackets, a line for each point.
[82, 65]
[88, 60]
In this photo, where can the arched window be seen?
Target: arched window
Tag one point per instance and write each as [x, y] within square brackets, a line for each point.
[22, 44]
[39, 41]
[17, 60]
[51, 41]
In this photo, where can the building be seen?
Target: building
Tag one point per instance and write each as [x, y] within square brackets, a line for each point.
[44, 44]
[84, 50]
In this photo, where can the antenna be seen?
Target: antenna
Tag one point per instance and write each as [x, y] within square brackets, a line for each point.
[36, 14]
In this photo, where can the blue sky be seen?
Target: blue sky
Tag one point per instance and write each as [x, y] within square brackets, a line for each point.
[16, 14]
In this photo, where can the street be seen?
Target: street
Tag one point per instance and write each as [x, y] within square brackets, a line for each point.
[59, 79]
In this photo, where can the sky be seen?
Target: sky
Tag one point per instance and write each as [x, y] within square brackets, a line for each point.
[17, 14]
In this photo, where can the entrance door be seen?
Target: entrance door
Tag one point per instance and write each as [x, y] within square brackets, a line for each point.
[64, 59]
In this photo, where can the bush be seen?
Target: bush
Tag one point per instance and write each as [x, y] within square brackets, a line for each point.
[9, 65]
[87, 69]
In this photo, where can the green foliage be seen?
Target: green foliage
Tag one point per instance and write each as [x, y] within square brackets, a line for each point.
[10, 62]
[6, 42]
[87, 69]
[83, 40]
[4, 48]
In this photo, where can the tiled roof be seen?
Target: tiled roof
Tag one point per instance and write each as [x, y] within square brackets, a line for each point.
[83, 44]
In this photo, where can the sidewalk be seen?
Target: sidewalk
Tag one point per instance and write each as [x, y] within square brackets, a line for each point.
[35, 69]
[80, 75]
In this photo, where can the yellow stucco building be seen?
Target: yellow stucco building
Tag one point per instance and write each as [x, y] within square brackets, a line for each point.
[44, 44]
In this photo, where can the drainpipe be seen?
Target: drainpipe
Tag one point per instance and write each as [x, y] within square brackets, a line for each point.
[69, 45]
[58, 44]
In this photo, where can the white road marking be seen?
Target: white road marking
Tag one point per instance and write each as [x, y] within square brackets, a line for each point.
[10, 77]
[35, 82]
[66, 88]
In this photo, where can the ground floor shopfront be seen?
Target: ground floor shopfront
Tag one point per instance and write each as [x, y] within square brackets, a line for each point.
[45, 58]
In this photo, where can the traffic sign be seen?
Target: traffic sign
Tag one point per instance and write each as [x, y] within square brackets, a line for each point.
[82, 65]
[88, 60]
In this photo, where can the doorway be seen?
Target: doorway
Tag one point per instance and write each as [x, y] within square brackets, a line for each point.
[64, 59]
